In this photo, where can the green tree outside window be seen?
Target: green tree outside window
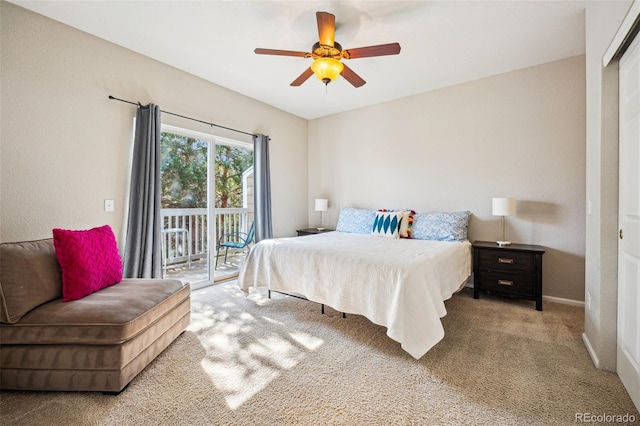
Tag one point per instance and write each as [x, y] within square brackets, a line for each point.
[184, 172]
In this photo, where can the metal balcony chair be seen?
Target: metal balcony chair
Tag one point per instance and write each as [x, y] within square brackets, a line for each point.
[234, 240]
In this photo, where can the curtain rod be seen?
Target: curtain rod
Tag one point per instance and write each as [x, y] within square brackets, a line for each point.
[182, 116]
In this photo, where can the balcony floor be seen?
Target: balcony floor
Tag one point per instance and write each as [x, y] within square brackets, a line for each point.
[197, 274]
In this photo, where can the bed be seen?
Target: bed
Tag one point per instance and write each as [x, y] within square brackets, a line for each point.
[400, 284]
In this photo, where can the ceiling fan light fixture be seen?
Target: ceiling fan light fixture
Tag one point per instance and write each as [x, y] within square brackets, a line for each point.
[327, 69]
[328, 54]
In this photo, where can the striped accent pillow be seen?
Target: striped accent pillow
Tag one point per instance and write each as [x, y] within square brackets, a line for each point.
[407, 224]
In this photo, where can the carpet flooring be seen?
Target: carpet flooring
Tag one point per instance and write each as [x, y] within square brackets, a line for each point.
[259, 361]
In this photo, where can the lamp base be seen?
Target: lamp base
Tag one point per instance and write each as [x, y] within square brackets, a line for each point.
[503, 243]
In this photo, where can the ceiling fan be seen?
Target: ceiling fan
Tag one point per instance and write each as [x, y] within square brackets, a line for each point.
[327, 54]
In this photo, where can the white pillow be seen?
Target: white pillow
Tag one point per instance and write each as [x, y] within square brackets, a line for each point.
[387, 224]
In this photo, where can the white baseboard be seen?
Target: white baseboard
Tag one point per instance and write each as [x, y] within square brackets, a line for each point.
[564, 301]
[592, 353]
[554, 299]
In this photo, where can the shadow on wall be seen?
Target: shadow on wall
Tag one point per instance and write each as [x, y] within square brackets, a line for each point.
[532, 214]
[479, 229]
[538, 211]
[520, 228]
[563, 274]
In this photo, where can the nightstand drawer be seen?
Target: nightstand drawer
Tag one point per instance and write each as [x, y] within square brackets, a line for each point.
[510, 261]
[522, 285]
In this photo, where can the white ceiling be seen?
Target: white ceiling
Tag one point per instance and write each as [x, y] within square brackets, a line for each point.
[443, 42]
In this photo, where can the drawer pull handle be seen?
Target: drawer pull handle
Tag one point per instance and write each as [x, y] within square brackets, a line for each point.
[505, 282]
[505, 260]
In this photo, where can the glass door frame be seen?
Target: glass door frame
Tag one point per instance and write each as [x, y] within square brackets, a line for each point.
[213, 141]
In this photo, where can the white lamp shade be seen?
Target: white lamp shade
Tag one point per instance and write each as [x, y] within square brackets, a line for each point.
[503, 206]
[322, 204]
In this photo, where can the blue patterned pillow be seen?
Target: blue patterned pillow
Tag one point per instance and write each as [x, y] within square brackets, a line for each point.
[387, 224]
[357, 221]
[441, 226]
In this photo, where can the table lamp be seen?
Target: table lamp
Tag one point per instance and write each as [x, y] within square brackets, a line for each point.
[503, 207]
[321, 206]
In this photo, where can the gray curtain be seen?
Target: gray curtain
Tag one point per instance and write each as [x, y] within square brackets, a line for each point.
[262, 187]
[142, 253]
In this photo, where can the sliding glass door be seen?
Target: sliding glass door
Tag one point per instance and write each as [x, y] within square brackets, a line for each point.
[207, 198]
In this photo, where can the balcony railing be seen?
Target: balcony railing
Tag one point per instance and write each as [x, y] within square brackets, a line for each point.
[184, 232]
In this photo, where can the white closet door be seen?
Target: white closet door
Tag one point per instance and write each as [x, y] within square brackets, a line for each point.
[628, 346]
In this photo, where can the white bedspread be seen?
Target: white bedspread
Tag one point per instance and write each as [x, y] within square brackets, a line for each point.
[400, 284]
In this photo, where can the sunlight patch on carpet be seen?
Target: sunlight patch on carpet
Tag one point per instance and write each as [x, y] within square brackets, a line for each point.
[245, 354]
[308, 341]
[240, 369]
[237, 382]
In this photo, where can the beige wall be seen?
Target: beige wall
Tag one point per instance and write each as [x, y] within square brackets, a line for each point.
[520, 134]
[65, 147]
[601, 286]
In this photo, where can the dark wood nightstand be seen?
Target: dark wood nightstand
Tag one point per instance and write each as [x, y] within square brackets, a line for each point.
[311, 231]
[514, 270]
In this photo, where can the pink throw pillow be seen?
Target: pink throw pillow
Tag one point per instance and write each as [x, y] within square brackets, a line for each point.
[89, 260]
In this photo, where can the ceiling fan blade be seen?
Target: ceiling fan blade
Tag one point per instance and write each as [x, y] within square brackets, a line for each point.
[261, 51]
[369, 51]
[352, 77]
[326, 28]
[303, 77]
